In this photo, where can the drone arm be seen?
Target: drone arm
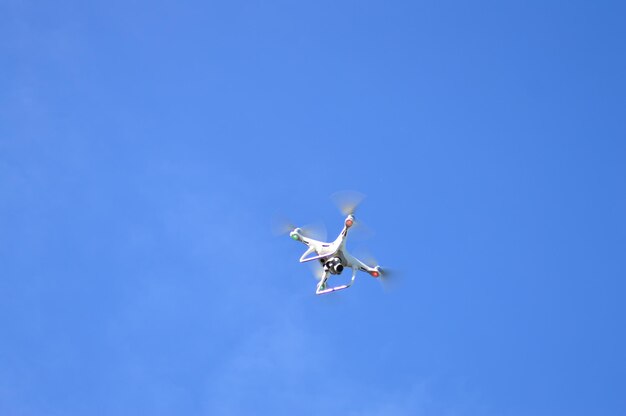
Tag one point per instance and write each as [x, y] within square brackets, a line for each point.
[310, 250]
[343, 234]
[357, 264]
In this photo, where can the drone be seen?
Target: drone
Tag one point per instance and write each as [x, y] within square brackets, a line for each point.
[333, 256]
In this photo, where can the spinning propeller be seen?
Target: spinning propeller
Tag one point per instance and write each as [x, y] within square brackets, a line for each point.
[348, 202]
[386, 276]
[316, 230]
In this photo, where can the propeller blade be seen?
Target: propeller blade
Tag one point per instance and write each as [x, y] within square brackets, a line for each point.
[360, 231]
[316, 231]
[347, 201]
[388, 278]
[281, 226]
[317, 270]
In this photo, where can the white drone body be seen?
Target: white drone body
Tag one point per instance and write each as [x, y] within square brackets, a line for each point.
[334, 257]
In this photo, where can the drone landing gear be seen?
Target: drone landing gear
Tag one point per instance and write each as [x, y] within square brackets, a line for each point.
[331, 289]
[322, 289]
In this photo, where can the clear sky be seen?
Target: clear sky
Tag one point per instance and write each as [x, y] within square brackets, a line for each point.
[146, 146]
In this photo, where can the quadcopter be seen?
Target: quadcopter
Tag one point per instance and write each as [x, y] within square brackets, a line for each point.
[334, 257]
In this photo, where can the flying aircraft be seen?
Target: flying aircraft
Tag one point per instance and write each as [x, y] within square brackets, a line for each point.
[333, 256]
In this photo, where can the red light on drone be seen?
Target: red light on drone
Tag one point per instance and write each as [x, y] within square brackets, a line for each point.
[349, 223]
[375, 274]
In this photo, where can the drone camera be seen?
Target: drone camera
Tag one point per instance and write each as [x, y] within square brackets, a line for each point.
[334, 265]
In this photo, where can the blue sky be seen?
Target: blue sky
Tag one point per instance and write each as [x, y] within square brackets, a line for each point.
[146, 146]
